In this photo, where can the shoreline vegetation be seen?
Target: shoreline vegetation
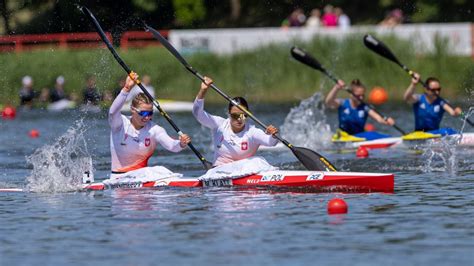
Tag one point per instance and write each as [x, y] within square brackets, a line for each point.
[264, 75]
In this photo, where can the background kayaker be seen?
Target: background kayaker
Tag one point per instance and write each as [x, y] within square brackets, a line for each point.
[429, 107]
[352, 113]
[91, 95]
[233, 138]
[27, 93]
[134, 139]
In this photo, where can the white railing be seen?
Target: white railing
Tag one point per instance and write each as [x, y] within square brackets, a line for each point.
[228, 41]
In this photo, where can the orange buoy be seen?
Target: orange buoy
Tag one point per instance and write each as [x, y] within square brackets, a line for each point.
[9, 112]
[369, 127]
[362, 152]
[34, 133]
[378, 95]
[337, 206]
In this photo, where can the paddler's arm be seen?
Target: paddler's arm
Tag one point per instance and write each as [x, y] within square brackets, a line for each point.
[204, 86]
[202, 116]
[265, 138]
[409, 95]
[115, 117]
[374, 115]
[331, 100]
[168, 142]
[454, 112]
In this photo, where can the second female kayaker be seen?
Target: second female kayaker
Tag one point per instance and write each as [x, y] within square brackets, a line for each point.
[233, 138]
[134, 139]
[429, 107]
[352, 113]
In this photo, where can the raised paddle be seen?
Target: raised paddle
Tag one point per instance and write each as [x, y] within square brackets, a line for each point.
[310, 61]
[86, 11]
[309, 158]
[381, 49]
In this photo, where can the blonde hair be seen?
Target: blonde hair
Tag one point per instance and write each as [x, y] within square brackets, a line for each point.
[141, 98]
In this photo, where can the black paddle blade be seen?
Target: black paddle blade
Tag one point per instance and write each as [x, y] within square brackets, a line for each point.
[312, 160]
[379, 47]
[305, 58]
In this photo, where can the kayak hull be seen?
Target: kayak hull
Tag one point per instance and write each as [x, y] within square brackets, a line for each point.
[324, 181]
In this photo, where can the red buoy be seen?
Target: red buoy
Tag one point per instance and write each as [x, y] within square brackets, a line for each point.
[362, 152]
[378, 95]
[34, 133]
[9, 112]
[337, 206]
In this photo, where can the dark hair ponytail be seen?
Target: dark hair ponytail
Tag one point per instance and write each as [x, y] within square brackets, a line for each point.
[240, 101]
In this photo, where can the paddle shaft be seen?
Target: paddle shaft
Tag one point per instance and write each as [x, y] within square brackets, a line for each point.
[297, 151]
[99, 30]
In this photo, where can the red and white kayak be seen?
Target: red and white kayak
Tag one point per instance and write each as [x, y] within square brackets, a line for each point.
[349, 182]
[325, 181]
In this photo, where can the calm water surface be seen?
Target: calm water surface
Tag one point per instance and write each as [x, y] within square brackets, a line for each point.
[429, 220]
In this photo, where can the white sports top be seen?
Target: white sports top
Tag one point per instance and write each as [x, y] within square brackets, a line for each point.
[131, 148]
[230, 146]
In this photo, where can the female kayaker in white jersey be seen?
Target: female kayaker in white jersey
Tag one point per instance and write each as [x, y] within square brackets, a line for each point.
[134, 139]
[233, 138]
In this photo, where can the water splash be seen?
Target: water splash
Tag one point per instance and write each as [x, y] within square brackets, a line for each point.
[467, 115]
[441, 155]
[59, 167]
[306, 124]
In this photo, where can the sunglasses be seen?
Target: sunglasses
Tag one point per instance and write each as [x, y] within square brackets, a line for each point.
[143, 113]
[237, 116]
[435, 89]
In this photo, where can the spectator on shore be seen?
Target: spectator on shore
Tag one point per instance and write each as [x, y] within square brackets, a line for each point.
[343, 21]
[329, 18]
[57, 93]
[91, 95]
[297, 18]
[314, 21]
[394, 18]
[27, 93]
[44, 96]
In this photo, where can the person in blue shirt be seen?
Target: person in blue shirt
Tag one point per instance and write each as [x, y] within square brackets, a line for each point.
[352, 113]
[429, 107]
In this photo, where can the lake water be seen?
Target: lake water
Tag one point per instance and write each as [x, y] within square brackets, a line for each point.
[429, 220]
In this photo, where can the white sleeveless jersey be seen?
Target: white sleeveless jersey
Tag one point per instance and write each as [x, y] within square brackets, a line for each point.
[130, 147]
[230, 146]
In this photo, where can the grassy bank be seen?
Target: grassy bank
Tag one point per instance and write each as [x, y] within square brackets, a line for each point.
[264, 75]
